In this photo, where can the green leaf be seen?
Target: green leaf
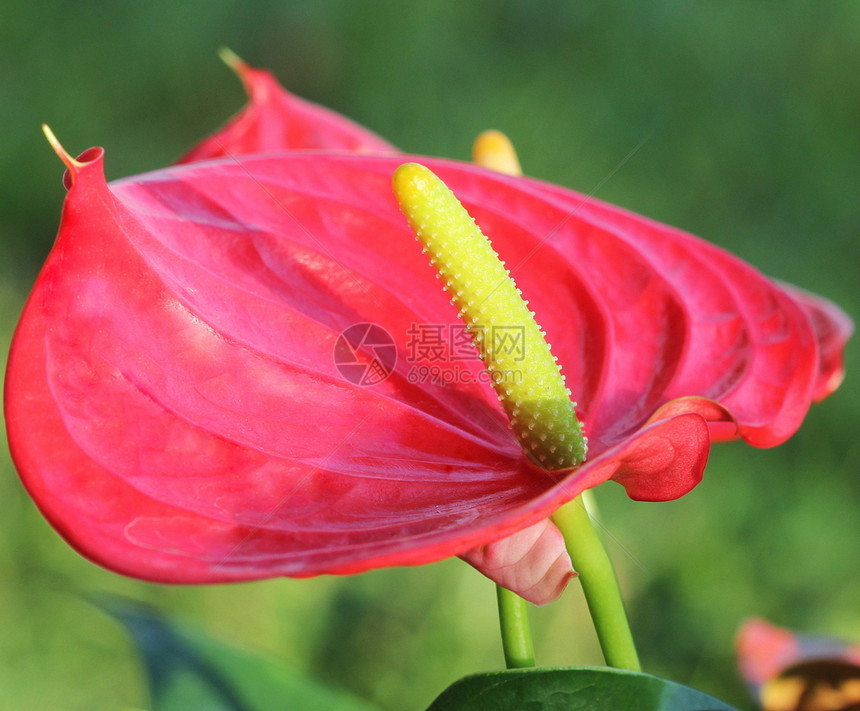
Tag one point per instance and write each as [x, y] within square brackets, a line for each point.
[571, 688]
[187, 670]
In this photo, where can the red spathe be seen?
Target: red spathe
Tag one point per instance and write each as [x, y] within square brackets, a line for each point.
[174, 407]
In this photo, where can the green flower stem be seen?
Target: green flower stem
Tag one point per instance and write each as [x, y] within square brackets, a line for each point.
[516, 633]
[599, 585]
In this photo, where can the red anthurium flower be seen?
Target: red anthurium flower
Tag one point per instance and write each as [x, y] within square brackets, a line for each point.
[532, 561]
[179, 405]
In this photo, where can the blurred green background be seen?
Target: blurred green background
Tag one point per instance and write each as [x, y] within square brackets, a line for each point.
[750, 116]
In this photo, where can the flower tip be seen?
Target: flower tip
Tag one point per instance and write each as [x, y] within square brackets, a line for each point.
[72, 165]
[231, 59]
[56, 145]
[254, 88]
[494, 150]
[410, 182]
[407, 172]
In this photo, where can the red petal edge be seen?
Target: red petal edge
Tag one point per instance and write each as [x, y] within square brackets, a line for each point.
[833, 329]
[276, 120]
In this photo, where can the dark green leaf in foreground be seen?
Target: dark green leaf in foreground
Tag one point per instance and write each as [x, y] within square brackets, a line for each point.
[563, 688]
[186, 670]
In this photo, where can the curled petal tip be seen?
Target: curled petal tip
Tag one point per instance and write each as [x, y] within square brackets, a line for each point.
[231, 59]
[57, 146]
[533, 562]
[73, 165]
[252, 79]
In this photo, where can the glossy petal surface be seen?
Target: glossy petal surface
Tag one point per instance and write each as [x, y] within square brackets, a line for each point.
[174, 406]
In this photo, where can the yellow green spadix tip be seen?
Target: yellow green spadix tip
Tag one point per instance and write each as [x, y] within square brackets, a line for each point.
[512, 346]
[494, 150]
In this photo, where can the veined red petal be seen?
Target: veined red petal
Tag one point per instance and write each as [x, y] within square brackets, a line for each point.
[174, 405]
[276, 120]
[685, 333]
[681, 316]
[534, 562]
